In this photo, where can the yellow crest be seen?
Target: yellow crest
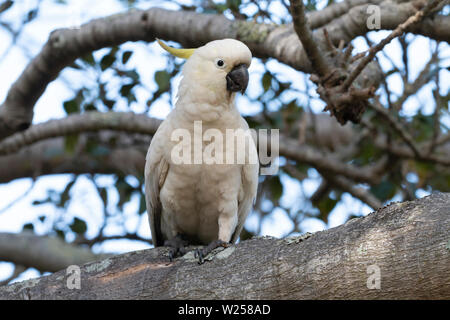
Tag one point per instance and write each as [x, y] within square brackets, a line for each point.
[180, 53]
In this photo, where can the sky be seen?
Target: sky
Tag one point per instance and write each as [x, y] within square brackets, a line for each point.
[13, 214]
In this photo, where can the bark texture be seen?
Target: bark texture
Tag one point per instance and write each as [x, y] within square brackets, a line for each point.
[409, 243]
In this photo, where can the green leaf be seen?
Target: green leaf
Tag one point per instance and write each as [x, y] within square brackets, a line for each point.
[142, 205]
[162, 79]
[384, 191]
[132, 74]
[90, 107]
[70, 142]
[126, 56]
[100, 151]
[107, 62]
[103, 195]
[78, 226]
[39, 202]
[276, 188]
[234, 4]
[28, 226]
[65, 195]
[89, 59]
[31, 15]
[60, 234]
[108, 59]
[109, 103]
[325, 206]
[266, 81]
[125, 190]
[6, 5]
[126, 92]
[71, 106]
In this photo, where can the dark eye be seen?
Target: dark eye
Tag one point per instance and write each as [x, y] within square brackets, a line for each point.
[220, 63]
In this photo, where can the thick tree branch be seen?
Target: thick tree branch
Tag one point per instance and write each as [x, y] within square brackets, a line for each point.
[94, 121]
[103, 153]
[43, 253]
[407, 243]
[322, 17]
[279, 42]
[89, 121]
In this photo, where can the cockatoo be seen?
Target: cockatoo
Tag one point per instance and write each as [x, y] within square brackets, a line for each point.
[202, 203]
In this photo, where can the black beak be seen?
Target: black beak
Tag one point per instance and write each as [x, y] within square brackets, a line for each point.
[237, 79]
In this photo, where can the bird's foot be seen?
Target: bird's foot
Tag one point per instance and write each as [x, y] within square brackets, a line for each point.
[177, 246]
[203, 252]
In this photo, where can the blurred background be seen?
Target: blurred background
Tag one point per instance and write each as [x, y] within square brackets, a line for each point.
[103, 208]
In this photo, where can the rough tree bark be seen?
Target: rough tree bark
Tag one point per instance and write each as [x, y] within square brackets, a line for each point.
[409, 243]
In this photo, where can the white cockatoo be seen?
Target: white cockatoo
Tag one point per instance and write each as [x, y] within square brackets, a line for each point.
[202, 201]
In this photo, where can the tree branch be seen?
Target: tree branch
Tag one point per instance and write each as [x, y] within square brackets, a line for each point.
[406, 242]
[89, 121]
[416, 18]
[360, 193]
[123, 153]
[322, 17]
[95, 153]
[66, 45]
[394, 123]
[94, 121]
[43, 253]
[305, 35]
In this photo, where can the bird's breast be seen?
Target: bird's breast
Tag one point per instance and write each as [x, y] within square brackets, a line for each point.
[194, 196]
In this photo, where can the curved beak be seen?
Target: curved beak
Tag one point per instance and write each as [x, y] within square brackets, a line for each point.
[237, 79]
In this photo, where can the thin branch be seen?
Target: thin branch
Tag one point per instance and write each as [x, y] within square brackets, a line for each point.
[305, 35]
[291, 149]
[396, 126]
[349, 186]
[18, 199]
[422, 79]
[340, 182]
[397, 32]
[437, 107]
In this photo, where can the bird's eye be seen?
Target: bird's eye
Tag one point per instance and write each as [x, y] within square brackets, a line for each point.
[220, 63]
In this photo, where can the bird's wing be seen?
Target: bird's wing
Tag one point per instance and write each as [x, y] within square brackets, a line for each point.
[156, 169]
[249, 186]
